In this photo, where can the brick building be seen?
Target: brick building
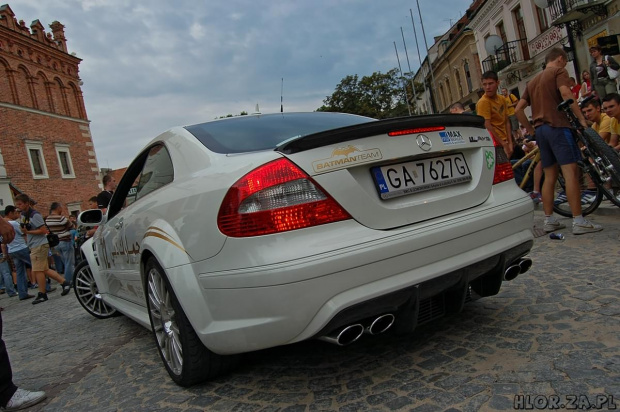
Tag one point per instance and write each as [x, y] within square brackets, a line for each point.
[46, 149]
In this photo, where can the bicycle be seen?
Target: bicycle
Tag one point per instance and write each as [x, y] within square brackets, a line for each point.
[590, 198]
[600, 161]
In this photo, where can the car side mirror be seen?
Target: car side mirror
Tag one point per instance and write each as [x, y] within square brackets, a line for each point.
[93, 217]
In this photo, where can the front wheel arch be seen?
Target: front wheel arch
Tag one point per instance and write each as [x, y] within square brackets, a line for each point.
[185, 358]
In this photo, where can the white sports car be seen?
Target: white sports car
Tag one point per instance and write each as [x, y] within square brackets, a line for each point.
[256, 231]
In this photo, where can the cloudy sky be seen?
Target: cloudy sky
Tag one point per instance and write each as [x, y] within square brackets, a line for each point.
[149, 65]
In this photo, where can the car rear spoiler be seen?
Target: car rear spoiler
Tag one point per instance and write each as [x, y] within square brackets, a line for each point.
[379, 127]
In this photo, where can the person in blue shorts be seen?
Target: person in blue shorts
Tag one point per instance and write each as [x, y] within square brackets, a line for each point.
[553, 134]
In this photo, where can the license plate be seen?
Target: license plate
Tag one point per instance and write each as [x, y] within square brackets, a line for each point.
[420, 175]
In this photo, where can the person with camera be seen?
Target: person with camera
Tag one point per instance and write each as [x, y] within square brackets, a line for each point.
[33, 225]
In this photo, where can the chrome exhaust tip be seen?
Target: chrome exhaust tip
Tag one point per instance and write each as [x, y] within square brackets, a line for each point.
[512, 272]
[345, 336]
[380, 324]
[525, 264]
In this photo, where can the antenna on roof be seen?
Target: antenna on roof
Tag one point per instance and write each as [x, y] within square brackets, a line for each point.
[281, 96]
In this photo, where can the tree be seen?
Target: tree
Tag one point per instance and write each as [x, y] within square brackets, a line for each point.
[380, 95]
[243, 113]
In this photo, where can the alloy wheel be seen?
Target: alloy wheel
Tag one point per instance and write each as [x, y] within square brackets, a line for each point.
[164, 322]
[88, 294]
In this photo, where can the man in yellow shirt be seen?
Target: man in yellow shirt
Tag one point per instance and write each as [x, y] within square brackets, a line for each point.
[493, 107]
[591, 109]
[511, 102]
[611, 106]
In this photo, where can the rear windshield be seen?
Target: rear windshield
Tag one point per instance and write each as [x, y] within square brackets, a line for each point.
[264, 132]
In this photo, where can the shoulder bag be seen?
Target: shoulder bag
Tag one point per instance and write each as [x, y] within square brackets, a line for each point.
[613, 74]
[52, 238]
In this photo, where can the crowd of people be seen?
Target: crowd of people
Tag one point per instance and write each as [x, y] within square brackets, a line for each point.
[28, 261]
[596, 104]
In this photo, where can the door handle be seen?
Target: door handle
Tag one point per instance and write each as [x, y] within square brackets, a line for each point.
[119, 224]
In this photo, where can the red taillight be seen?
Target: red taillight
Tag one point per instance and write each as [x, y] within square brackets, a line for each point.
[503, 172]
[503, 167]
[417, 130]
[276, 197]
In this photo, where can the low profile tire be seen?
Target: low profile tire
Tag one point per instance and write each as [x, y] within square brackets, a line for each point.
[87, 293]
[186, 359]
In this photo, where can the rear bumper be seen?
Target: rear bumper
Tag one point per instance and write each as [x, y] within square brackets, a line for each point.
[264, 306]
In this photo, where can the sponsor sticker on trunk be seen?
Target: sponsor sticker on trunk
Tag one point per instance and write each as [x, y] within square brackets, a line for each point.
[475, 139]
[451, 137]
[490, 159]
[343, 157]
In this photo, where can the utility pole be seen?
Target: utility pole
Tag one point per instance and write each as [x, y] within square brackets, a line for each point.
[401, 74]
[415, 97]
[415, 35]
[430, 64]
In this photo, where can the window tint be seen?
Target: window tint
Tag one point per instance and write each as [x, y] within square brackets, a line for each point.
[264, 132]
[157, 171]
[125, 193]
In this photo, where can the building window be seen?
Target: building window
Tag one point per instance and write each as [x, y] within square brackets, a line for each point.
[501, 31]
[468, 77]
[74, 208]
[64, 161]
[37, 161]
[443, 100]
[518, 16]
[543, 21]
[459, 86]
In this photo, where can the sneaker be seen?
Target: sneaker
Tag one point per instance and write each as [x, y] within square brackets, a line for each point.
[22, 399]
[561, 198]
[588, 196]
[586, 227]
[12, 295]
[66, 288]
[41, 297]
[27, 297]
[536, 197]
[553, 226]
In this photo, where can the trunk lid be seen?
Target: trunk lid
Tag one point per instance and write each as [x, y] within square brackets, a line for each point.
[397, 172]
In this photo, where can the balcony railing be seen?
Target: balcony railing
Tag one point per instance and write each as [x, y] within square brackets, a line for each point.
[512, 54]
[563, 11]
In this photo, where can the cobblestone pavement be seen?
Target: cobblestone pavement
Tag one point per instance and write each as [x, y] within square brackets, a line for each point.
[553, 331]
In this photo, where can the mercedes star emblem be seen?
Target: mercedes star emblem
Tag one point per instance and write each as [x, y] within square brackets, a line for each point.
[424, 142]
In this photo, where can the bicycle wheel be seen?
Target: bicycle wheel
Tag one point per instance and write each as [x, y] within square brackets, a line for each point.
[590, 199]
[613, 195]
[604, 156]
